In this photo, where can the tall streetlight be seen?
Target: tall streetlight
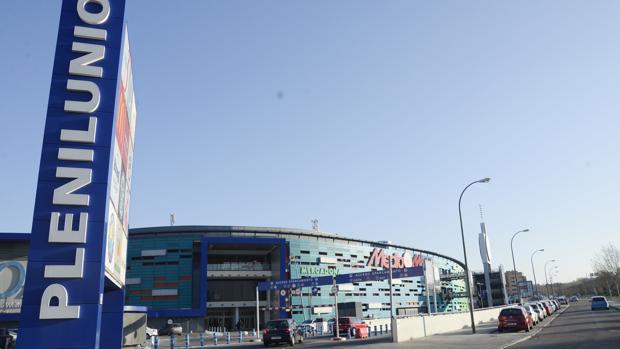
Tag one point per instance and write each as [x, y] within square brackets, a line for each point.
[514, 268]
[533, 271]
[546, 280]
[554, 271]
[467, 285]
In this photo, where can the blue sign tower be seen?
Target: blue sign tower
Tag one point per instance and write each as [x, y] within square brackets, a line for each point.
[70, 297]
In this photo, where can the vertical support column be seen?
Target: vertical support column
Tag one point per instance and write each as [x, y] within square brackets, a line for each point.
[257, 312]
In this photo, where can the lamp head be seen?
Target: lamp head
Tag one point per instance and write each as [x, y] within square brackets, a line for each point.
[524, 230]
[485, 180]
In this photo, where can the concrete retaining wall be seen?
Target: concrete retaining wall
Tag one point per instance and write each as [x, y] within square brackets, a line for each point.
[408, 328]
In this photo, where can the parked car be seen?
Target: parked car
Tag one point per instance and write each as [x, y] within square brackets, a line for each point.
[574, 299]
[542, 308]
[514, 318]
[308, 326]
[531, 312]
[563, 300]
[538, 312]
[171, 329]
[151, 332]
[348, 322]
[546, 308]
[282, 330]
[599, 302]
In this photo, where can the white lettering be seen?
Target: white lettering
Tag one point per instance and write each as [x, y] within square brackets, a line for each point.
[90, 33]
[61, 311]
[64, 195]
[81, 65]
[68, 235]
[93, 18]
[75, 270]
[83, 106]
[73, 154]
[80, 136]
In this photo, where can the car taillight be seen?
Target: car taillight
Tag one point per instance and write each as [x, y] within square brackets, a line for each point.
[502, 318]
[288, 330]
[265, 332]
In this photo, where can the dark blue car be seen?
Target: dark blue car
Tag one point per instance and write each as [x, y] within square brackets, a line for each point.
[599, 302]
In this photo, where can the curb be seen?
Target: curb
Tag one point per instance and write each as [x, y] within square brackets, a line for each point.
[537, 331]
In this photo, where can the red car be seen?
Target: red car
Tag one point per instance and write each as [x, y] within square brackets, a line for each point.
[348, 322]
[515, 318]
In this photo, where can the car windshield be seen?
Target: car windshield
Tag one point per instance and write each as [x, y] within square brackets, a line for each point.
[272, 325]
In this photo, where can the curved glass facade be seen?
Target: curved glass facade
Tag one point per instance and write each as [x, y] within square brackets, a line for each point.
[207, 275]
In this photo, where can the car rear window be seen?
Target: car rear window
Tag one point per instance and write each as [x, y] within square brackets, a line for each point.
[598, 299]
[512, 311]
[272, 325]
[344, 320]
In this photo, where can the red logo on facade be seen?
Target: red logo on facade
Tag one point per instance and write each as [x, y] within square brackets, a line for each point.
[378, 258]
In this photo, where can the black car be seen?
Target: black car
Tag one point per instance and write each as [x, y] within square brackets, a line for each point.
[282, 330]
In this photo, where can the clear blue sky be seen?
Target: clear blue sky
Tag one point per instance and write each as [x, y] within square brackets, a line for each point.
[368, 115]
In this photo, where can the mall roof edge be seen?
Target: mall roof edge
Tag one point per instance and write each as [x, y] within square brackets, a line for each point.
[289, 231]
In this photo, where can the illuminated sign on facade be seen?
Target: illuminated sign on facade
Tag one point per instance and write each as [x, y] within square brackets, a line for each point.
[67, 299]
[378, 258]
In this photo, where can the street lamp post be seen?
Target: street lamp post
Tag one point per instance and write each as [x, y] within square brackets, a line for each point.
[514, 267]
[553, 273]
[467, 285]
[533, 271]
[546, 280]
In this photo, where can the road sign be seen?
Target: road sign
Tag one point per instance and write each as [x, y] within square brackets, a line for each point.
[283, 292]
[335, 289]
[375, 275]
[315, 290]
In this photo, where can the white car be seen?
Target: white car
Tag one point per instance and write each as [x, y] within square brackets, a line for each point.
[151, 332]
[308, 325]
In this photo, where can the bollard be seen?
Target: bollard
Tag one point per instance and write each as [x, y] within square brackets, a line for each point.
[155, 342]
[354, 332]
[349, 333]
[202, 339]
[375, 330]
[240, 338]
[253, 332]
[228, 338]
[187, 341]
[214, 338]
[171, 341]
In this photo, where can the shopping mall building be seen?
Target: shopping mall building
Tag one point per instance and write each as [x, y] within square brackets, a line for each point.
[207, 276]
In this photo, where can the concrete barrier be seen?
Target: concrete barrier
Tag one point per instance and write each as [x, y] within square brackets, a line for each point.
[408, 328]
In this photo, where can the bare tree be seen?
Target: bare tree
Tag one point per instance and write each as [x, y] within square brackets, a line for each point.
[606, 265]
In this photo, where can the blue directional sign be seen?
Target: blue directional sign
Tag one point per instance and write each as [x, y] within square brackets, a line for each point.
[377, 275]
[295, 283]
[374, 275]
[67, 297]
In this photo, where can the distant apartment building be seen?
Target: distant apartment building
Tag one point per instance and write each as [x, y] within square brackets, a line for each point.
[511, 287]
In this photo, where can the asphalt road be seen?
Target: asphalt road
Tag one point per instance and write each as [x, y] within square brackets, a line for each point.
[578, 328]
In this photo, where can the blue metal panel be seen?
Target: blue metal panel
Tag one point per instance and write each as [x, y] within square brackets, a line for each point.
[14, 236]
[82, 332]
[204, 246]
